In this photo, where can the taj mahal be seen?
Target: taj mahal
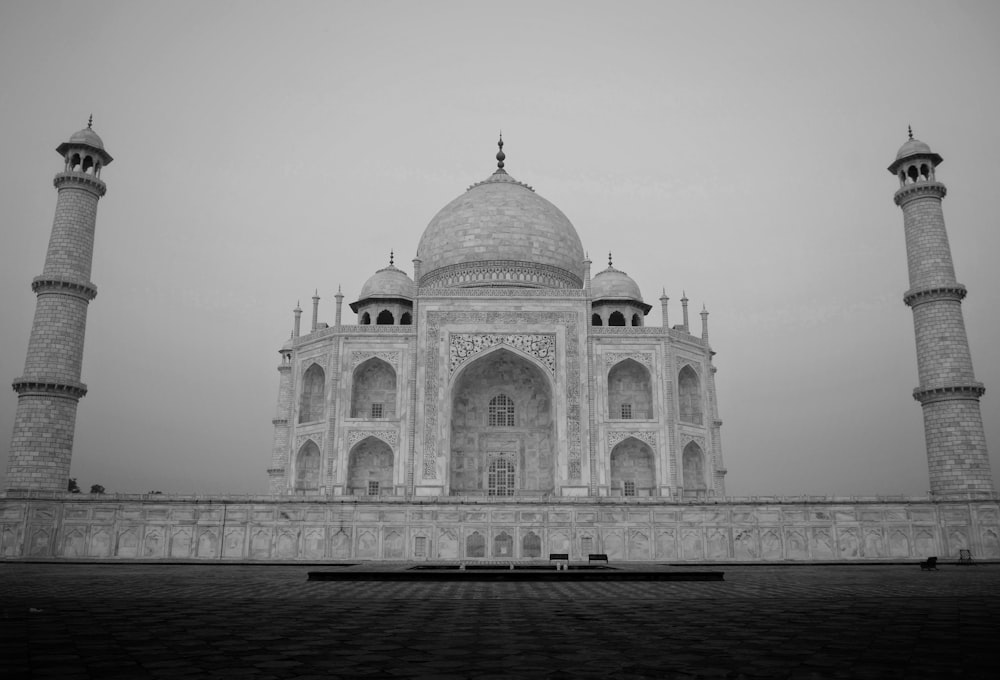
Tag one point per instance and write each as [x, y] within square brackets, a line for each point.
[504, 401]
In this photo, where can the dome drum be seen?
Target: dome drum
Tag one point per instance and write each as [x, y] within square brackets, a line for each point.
[506, 273]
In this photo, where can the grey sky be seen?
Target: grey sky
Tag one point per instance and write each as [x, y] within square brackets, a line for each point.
[733, 150]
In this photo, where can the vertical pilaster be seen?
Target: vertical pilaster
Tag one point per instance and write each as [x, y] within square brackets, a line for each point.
[278, 472]
[49, 389]
[957, 459]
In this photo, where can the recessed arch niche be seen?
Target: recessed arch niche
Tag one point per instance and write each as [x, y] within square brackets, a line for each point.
[693, 467]
[307, 462]
[369, 468]
[630, 391]
[632, 468]
[526, 441]
[373, 383]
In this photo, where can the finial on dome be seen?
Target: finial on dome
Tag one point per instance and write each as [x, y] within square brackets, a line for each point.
[609, 259]
[90, 122]
[909, 130]
[391, 256]
[500, 153]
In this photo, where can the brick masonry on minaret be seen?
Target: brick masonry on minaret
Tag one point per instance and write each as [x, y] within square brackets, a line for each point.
[48, 391]
[957, 458]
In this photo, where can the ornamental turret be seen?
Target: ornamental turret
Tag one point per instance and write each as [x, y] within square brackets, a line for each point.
[50, 388]
[948, 390]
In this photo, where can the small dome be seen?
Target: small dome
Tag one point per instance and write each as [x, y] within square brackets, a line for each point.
[911, 148]
[87, 136]
[389, 282]
[613, 284]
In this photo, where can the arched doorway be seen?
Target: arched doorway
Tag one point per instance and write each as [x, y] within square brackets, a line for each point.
[502, 427]
[307, 467]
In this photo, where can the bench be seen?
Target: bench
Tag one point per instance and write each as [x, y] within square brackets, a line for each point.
[597, 557]
[561, 560]
[929, 563]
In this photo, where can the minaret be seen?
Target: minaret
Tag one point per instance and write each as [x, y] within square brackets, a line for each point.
[50, 388]
[948, 390]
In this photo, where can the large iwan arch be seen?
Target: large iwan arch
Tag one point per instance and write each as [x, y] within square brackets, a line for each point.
[503, 433]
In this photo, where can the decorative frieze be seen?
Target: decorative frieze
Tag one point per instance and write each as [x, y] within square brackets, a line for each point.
[644, 358]
[316, 437]
[390, 437]
[616, 437]
[464, 346]
[391, 358]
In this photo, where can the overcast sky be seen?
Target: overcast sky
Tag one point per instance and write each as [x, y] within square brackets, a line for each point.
[737, 151]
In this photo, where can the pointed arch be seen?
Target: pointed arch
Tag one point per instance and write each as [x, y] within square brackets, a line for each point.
[616, 319]
[385, 318]
[312, 398]
[366, 319]
[693, 470]
[502, 407]
[503, 545]
[406, 319]
[689, 394]
[636, 320]
[370, 468]
[595, 320]
[373, 390]
[630, 391]
[475, 545]
[307, 462]
[531, 545]
[632, 468]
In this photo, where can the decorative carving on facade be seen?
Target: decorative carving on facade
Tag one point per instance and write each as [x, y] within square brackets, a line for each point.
[616, 437]
[695, 365]
[316, 437]
[627, 330]
[391, 358]
[687, 439]
[464, 346]
[644, 358]
[390, 437]
[568, 320]
[486, 291]
[321, 359]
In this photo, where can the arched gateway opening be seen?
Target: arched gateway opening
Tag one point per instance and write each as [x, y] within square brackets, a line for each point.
[502, 427]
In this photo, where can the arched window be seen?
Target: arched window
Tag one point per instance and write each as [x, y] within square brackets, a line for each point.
[373, 390]
[502, 477]
[88, 164]
[636, 321]
[406, 319]
[307, 467]
[385, 318]
[74, 163]
[689, 391]
[313, 392]
[501, 413]
[595, 320]
[616, 319]
[366, 319]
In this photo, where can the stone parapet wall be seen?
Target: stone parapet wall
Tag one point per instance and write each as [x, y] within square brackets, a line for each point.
[280, 528]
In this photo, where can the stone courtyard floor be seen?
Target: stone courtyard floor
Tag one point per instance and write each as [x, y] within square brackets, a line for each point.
[267, 621]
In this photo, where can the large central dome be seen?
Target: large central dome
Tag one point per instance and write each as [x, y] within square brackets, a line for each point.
[500, 233]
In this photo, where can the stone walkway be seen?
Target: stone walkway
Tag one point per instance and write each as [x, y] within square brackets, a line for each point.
[254, 621]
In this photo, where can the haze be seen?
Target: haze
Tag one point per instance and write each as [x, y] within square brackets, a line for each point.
[735, 151]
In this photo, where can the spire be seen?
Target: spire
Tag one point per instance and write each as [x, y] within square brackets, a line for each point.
[610, 266]
[909, 131]
[90, 122]
[298, 320]
[340, 301]
[664, 301]
[500, 154]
